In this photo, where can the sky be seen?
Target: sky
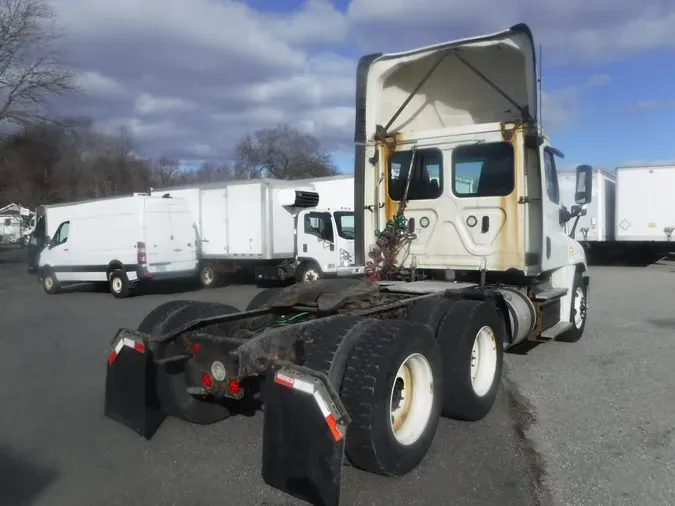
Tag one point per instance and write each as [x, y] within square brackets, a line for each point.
[191, 77]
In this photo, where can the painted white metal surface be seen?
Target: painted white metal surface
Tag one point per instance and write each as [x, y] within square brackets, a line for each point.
[599, 220]
[644, 203]
[101, 231]
[454, 96]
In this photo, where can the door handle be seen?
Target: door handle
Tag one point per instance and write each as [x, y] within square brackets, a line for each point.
[304, 248]
[178, 249]
[65, 249]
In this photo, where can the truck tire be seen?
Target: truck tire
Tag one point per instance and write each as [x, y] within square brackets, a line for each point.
[471, 338]
[208, 277]
[578, 311]
[119, 285]
[393, 389]
[262, 298]
[172, 392]
[331, 345]
[430, 312]
[50, 284]
[308, 272]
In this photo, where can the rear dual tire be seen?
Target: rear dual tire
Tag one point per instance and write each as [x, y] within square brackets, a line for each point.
[471, 338]
[389, 376]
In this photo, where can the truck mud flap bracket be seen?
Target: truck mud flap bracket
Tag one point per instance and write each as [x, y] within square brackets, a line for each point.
[130, 391]
[303, 436]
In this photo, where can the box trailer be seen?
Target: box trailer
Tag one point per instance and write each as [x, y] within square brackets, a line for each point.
[121, 241]
[365, 368]
[270, 228]
[645, 212]
[597, 225]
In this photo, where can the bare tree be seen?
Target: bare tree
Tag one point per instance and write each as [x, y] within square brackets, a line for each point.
[30, 68]
[283, 153]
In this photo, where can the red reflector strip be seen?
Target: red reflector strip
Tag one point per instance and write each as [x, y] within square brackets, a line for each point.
[130, 343]
[282, 379]
[330, 419]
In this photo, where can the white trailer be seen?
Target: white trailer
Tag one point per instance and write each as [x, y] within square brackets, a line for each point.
[272, 228]
[120, 241]
[597, 225]
[645, 212]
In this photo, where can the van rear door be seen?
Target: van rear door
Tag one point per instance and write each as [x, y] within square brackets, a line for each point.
[183, 252]
[157, 233]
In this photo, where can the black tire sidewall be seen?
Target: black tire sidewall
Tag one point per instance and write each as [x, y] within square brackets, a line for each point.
[55, 283]
[302, 270]
[124, 292]
[202, 272]
[456, 336]
[574, 334]
[394, 458]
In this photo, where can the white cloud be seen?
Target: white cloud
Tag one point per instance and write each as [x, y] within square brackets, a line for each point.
[191, 76]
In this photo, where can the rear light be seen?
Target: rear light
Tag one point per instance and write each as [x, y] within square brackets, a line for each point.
[195, 346]
[141, 255]
[234, 386]
[206, 380]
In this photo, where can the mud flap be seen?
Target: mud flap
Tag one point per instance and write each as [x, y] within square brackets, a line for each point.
[130, 392]
[303, 436]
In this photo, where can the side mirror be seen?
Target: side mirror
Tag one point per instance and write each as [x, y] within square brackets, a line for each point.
[578, 210]
[584, 190]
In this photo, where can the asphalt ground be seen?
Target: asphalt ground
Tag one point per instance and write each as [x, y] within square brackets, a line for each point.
[584, 423]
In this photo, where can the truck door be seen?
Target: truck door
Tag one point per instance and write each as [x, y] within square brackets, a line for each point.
[57, 254]
[554, 251]
[316, 239]
[183, 238]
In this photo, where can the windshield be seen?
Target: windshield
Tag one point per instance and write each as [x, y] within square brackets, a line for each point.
[344, 221]
[483, 170]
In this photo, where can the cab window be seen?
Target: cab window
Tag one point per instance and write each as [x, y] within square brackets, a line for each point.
[426, 181]
[319, 225]
[483, 170]
[344, 222]
[551, 177]
[61, 234]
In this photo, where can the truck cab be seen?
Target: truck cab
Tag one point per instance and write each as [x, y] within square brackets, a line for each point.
[325, 243]
[451, 158]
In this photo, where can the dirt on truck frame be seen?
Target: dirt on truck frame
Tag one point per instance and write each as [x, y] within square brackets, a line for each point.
[365, 368]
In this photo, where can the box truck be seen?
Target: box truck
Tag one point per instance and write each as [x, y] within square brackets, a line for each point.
[119, 241]
[270, 228]
[597, 225]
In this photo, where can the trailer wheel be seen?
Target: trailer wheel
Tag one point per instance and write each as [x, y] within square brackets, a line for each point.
[578, 311]
[118, 282]
[172, 392]
[50, 284]
[471, 337]
[393, 389]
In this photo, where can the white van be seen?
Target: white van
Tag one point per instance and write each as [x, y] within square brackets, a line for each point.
[120, 241]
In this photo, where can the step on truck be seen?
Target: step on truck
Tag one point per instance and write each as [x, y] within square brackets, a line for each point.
[456, 275]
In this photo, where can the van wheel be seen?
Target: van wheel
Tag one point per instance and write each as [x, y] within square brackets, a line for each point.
[50, 284]
[119, 284]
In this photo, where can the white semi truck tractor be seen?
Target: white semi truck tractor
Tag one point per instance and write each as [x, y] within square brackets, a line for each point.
[461, 231]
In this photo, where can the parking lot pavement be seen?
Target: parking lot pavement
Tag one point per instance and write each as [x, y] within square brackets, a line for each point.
[56, 447]
[590, 420]
[605, 406]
